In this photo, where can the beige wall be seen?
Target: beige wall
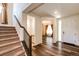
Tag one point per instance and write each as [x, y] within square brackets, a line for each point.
[10, 13]
[1, 18]
[70, 27]
[1, 15]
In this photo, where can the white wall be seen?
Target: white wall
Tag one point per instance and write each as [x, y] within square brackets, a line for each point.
[70, 27]
[38, 30]
[59, 29]
[18, 9]
[30, 25]
[35, 27]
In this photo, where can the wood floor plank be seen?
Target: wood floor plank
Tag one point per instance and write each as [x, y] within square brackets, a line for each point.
[66, 50]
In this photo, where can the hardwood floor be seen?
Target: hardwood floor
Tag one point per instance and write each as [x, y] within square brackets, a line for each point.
[58, 49]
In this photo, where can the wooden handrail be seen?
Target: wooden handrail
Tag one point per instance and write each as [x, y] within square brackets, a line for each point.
[30, 37]
[21, 25]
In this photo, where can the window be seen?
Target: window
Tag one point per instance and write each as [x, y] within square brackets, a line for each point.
[49, 30]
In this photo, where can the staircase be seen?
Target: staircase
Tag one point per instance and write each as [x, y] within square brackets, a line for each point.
[10, 44]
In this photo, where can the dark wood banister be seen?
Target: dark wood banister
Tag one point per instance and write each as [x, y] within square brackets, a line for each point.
[30, 36]
[21, 25]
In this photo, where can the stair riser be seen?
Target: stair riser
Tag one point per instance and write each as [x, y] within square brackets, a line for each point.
[8, 36]
[7, 30]
[7, 41]
[13, 52]
[9, 50]
[6, 27]
[22, 54]
[2, 33]
[10, 46]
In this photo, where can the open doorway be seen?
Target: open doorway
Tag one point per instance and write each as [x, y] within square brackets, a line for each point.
[47, 32]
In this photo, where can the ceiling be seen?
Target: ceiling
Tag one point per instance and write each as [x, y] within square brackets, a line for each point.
[63, 9]
[46, 22]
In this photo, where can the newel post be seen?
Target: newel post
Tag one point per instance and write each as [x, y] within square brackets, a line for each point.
[30, 46]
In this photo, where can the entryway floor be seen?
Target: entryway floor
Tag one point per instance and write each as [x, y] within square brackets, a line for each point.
[58, 49]
[48, 41]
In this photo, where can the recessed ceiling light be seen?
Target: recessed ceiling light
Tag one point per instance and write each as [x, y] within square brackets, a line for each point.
[56, 12]
[58, 16]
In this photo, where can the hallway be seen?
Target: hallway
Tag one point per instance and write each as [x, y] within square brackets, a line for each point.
[48, 41]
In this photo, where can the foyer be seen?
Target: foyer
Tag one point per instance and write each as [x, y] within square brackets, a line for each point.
[39, 29]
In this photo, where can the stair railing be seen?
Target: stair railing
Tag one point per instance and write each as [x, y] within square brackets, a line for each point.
[27, 39]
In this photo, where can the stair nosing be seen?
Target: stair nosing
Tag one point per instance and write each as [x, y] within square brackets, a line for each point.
[7, 31]
[6, 51]
[8, 43]
[19, 53]
[9, 38]
[8, 34]
[14, 50]
[1, 25]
